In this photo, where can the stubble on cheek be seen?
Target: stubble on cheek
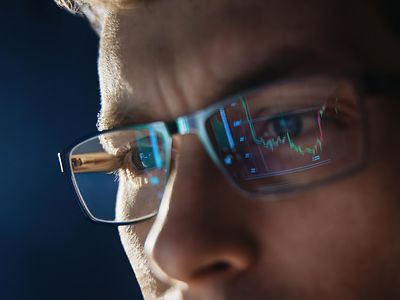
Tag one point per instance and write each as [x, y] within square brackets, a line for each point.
[134, 250]
[133, 238]
[131, 235]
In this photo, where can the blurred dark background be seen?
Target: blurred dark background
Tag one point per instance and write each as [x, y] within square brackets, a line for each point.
[49, 97]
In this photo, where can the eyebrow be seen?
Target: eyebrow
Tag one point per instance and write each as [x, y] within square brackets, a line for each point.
[284, 64]
[120, 116]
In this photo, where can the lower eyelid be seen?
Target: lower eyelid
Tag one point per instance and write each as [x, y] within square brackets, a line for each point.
[127, 166]
[309, 123]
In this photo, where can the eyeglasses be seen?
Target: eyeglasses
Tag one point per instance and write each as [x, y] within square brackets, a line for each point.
[273, 139]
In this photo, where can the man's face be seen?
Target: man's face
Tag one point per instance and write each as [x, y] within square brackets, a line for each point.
[162, 59]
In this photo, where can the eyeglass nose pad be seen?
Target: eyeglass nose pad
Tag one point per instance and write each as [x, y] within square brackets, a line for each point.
[196, 125]
[183, 126]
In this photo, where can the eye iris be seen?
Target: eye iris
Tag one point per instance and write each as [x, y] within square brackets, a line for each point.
[136, 159]
[288, 124]
[142, 158]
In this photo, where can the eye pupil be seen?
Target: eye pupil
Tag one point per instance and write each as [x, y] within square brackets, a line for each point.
[142, 158]
[288, 124]
[137, 159]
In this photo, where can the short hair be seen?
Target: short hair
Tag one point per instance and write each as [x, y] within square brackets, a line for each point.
[78, 6]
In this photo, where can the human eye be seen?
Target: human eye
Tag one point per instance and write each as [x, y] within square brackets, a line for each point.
[299, 131]
[137, 157]
[292, 135]
[297, 124]
[291, 123]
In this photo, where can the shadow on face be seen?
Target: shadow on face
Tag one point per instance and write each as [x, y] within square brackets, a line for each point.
[339, 240]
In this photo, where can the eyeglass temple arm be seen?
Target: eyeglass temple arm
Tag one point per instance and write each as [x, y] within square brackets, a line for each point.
[94, 162]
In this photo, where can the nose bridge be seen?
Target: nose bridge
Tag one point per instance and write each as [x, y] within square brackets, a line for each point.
[196, 125]
[194, 168]
[199, 227]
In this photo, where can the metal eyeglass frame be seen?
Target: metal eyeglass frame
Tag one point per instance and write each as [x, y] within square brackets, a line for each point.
[195, 124]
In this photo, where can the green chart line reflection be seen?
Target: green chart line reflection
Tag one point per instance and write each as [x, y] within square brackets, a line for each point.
[274, 143]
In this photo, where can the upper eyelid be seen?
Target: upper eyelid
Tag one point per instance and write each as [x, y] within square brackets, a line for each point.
[287, 113]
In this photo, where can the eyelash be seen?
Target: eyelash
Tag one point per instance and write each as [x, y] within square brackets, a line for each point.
[123, 155]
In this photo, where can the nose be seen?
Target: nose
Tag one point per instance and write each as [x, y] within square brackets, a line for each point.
[200, 234]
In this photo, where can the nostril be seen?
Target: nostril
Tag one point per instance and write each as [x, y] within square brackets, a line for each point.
[231, 263]
[220, 266]
[214, 269]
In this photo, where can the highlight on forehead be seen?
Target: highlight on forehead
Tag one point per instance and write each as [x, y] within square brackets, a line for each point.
[76, 6]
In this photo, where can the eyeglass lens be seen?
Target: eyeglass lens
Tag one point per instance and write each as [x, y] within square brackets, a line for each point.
[121, 175]
[266, 146]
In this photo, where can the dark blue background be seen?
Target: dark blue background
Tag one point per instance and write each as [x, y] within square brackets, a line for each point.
[49, 97]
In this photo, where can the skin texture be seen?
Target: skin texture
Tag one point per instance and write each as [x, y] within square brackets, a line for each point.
[162, 59]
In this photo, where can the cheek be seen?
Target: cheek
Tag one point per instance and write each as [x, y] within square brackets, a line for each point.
[339, 238]
[137, 196]
[344, 235]
[133, 237]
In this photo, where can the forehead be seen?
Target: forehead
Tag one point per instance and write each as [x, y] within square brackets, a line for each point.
[167, 58]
